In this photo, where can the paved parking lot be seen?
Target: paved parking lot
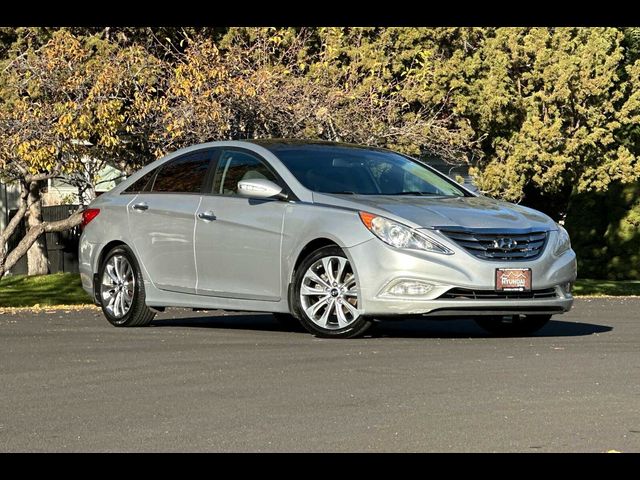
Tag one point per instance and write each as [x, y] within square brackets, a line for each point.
[207, 381]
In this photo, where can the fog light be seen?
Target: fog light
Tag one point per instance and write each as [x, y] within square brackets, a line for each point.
[407, 288]
[568, 287]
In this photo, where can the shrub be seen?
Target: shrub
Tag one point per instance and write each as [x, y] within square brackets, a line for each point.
[605, 231]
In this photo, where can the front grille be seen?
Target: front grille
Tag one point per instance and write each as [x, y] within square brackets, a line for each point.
[467, 294]
[490, 245]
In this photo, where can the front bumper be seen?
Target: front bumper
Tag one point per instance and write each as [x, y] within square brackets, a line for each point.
[377, 265]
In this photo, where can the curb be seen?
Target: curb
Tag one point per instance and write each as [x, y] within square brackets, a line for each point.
[48, 308]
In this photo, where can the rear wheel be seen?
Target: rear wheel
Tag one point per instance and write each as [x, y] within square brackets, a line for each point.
[326, 297]
[513, 325]
[121, 289]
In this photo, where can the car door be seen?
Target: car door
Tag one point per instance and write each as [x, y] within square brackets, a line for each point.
[162, 220]
[238, 240]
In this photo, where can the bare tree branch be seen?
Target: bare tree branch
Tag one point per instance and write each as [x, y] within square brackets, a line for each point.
[32, 235]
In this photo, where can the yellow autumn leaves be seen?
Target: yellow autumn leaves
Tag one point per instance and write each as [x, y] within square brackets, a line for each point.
[548, 109]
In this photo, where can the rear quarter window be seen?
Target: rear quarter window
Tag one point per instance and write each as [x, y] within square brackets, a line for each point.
[143, 184]
[183, 175]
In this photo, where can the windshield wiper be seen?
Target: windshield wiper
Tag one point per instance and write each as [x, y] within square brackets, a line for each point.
[348, 192]
[415, 193]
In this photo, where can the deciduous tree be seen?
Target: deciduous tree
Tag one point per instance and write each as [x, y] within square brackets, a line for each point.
[66, 101]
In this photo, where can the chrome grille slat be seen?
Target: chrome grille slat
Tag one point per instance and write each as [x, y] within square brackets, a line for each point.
[468, 294]
[475, 246]
[535, 245]
[482, 244]
[506, 255]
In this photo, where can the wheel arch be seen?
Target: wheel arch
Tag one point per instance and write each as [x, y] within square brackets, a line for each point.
[138, 314]
[359, 324]
[105, 249]
[310, 247]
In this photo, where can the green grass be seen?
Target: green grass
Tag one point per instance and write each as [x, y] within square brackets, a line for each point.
[66, 289]
[55, 289]
[607, 287]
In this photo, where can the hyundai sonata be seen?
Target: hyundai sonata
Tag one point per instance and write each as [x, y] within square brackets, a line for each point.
[331, 235]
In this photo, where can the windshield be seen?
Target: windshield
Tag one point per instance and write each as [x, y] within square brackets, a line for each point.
[349, 170]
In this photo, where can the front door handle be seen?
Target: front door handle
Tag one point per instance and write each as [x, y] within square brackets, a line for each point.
[141, 206]
[207, 216]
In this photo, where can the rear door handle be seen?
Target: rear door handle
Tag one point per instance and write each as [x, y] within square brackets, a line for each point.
[141, 206]
[207, 216]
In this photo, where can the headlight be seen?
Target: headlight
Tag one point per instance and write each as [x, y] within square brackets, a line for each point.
[563, 243]
[400, 236]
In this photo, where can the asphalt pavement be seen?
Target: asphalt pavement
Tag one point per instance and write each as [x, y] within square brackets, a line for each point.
[208, 381]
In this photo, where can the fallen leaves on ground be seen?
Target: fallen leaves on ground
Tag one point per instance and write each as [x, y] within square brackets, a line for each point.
[46, 308]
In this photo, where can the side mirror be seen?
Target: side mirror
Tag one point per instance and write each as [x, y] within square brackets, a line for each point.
[260, 188]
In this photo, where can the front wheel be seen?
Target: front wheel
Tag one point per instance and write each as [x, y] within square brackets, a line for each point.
[513, 325]
[121, 289]
[326, 296]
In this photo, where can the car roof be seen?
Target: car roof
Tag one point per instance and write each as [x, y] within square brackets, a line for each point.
[274, 144]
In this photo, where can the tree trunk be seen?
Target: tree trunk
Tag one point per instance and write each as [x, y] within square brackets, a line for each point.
[10, 229]
[30, 192]
[31, 236]
[37, 260]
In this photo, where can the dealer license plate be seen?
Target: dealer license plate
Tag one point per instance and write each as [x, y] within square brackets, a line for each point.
[513, 279]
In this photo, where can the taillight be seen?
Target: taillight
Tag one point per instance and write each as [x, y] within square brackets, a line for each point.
[88, 215]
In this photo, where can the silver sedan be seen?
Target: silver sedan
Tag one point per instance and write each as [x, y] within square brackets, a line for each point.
[333, 236]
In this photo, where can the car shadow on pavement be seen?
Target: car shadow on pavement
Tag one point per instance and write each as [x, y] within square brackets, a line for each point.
[232, 321]
[468, 329]
[463, 328]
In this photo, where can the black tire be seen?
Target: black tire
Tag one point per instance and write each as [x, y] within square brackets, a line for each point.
[138, 315]
[354, 329]
[513, 325]
[288, 321]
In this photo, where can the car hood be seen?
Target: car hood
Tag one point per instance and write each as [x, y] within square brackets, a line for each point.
[466, 212]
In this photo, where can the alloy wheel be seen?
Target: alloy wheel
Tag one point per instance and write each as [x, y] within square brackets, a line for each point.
[329, 293]
[117, 286]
